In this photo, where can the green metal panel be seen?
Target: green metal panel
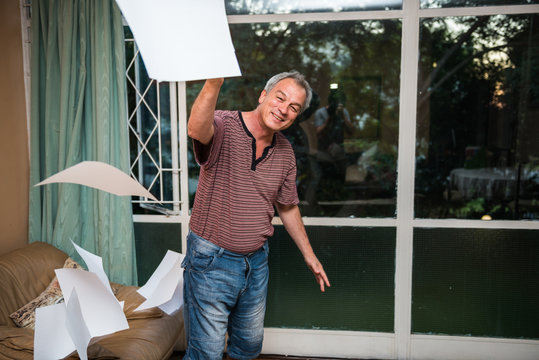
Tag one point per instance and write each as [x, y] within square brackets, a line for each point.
[360, 263]
[478, 282]
[152, 241]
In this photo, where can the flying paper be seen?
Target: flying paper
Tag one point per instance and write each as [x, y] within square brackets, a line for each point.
[76, 326]
[165, 287]
[182, 40]
[51, 337]
[95, 265]
[169, 261]
[165, 293]
[100, 309]
[177, 298]
[89, 310]
[100, 176]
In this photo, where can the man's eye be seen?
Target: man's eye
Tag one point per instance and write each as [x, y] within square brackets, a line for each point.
[294, 109]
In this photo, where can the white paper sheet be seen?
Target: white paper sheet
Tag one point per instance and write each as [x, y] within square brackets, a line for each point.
[176, 302]
[95, 265]
[100, 176]
[165, 287]
[182, 40]
[171, 260]
[100, 309]
[164, 292]
[76, 326]
[51, 337]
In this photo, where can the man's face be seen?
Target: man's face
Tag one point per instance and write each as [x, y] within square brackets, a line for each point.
[281, 105]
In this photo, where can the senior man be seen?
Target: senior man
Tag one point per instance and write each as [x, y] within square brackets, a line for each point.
[248, 168]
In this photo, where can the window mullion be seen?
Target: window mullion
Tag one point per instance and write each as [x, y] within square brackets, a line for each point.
[405, 178]
[184, 160]
[174, 147]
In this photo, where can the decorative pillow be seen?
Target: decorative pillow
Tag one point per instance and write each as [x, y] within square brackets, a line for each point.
[26, 315]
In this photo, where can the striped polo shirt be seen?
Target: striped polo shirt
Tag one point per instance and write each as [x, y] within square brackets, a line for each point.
[234, 201]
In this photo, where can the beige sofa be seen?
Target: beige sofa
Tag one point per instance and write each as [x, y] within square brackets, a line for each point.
[25, 274]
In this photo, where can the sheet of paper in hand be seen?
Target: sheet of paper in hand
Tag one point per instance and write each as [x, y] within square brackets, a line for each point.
[182, 40]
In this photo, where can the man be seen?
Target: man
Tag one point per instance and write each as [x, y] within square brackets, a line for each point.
[332, 122]
[247, 168]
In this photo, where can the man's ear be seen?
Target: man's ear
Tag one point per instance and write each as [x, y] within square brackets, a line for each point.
[262, 96]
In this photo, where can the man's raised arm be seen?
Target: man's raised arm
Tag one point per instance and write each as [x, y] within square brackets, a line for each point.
[200, 124]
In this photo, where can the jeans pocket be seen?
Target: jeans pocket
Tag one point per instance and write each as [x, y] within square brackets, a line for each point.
[200, 262]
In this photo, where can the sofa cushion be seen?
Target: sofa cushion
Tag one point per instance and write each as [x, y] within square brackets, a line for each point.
[26, 315]
[16, 343]
[24, 274]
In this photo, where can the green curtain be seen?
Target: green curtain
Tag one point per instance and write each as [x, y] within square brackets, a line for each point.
[78, 113]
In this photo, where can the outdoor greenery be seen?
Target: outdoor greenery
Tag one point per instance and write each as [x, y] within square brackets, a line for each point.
[477, 108]
[363, 58]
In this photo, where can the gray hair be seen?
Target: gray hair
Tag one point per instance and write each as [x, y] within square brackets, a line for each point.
[299, 79]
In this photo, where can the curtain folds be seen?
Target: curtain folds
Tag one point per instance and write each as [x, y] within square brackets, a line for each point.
[78, 113]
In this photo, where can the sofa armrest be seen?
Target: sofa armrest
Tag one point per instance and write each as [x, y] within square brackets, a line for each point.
[24, 274]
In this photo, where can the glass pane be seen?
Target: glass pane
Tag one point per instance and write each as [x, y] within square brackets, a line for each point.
[476, 282]
[477, 142]
[465, 3]
[243, 7]
[346, 142]
[360, 264]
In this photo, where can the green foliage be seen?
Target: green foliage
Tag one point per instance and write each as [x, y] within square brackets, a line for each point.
[473, 207]
[477, 208]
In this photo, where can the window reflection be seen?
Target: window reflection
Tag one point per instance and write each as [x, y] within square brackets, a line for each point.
[477, 122]
[244, 7]
[346, 142]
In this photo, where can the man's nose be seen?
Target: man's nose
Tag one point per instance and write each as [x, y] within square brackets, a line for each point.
[283, 109]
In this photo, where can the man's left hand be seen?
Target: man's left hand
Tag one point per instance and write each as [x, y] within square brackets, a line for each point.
[319, 273]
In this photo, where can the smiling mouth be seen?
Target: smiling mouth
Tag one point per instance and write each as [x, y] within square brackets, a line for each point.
[277, 117]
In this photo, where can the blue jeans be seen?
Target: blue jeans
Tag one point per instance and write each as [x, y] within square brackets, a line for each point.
[223, 291]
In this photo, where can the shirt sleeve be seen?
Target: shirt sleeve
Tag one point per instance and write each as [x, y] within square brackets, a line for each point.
[288, 193]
